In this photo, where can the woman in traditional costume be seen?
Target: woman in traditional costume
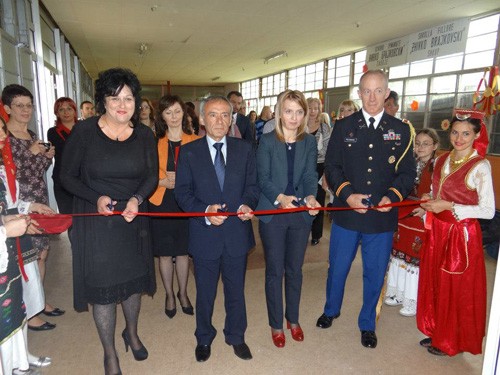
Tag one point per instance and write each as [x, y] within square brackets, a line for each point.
[451, 308]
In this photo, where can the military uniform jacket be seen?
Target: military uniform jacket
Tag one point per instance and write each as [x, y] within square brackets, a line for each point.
[379, 162]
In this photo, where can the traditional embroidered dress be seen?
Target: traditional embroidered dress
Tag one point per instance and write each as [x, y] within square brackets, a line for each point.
[12, 308]
[452, 287]
[402, 277]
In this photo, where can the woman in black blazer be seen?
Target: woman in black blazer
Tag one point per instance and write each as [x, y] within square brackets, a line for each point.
[286, 170]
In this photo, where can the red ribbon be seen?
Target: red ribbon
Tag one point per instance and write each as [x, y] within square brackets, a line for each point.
[48, 222]
[20, 259]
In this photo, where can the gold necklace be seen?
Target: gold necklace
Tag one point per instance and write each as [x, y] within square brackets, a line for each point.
[120, 133]
[454, 164]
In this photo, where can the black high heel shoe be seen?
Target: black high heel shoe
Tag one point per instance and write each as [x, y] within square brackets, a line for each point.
[170, 313]
[186, 309]
[140, 354]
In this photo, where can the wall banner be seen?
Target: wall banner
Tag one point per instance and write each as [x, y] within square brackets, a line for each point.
[445, 39]
[387, 54]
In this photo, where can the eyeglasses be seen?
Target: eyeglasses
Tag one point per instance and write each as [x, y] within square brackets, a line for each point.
[23, 106]
[423, 144]
[144, 107]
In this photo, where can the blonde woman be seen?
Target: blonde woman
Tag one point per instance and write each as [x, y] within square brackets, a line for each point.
[321, 132]
[286, 171]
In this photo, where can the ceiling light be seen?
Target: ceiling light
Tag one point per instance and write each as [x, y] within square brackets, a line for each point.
[143, 48]
[274, 56]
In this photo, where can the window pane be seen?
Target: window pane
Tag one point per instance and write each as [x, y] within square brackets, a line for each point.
[481, 43]
[399, 71]
[495, 144]
[310, 69]
[479, 60]
[449, 63]
[421, 68]
[444, 84]
[464, 100]
[434, 122]
[344, 60]
[416, 86]
[483, 25]
[360, 56]
[442, 103]
[469, 82]
[408, 101]
[344, 71]
[396, 86]
[416, 118]
[342, 81]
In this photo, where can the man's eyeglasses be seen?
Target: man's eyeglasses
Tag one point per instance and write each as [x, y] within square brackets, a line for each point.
[23, 106]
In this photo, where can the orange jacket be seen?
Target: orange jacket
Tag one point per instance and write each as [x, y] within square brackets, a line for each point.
[157, 196]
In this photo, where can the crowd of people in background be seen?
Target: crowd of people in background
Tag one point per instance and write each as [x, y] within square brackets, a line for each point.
[136, 155]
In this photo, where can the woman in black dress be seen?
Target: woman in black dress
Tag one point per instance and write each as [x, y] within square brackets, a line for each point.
[65, 111]
[110, 164]
[170, 235]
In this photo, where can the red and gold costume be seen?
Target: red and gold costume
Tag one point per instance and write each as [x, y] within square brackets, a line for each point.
[452, 286]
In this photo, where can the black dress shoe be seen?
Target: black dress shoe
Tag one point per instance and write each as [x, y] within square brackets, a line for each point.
[369, 339]
[426, 343]
[436, 351]
[202, 353]
[242, 351]
[315, 241]
[44, 327]
[325, 321]
[56, 312]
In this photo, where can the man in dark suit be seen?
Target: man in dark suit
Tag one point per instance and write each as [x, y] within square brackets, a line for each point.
[369, 162]
[217, 173]
[243, 123]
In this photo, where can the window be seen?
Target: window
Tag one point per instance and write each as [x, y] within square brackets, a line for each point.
[339, 71]
[273, 85]
[250, 89]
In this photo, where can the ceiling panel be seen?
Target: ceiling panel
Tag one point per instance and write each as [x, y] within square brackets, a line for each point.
[191, 42]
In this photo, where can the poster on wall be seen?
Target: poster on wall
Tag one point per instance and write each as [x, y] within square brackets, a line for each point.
[387, 54]
[442, 40]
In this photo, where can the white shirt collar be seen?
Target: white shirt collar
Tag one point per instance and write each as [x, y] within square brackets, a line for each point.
[377, 117]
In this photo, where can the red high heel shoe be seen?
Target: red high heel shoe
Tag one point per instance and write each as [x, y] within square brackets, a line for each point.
[278, 338]
[297, 333]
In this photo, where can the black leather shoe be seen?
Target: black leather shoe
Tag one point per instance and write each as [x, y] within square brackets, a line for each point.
[242, 351]
[56, 312]
[436, 351]
[44, 327]
[426, 343]
[315, 241]
[369, 339]
[202, 353]
[325, 321]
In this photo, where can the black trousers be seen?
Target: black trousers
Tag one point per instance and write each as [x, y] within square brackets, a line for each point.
[285, 241]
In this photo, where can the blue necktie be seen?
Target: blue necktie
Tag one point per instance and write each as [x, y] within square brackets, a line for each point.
[219, 164]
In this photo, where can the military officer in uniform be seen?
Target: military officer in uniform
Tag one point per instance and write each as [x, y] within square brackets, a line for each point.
[369, 163]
